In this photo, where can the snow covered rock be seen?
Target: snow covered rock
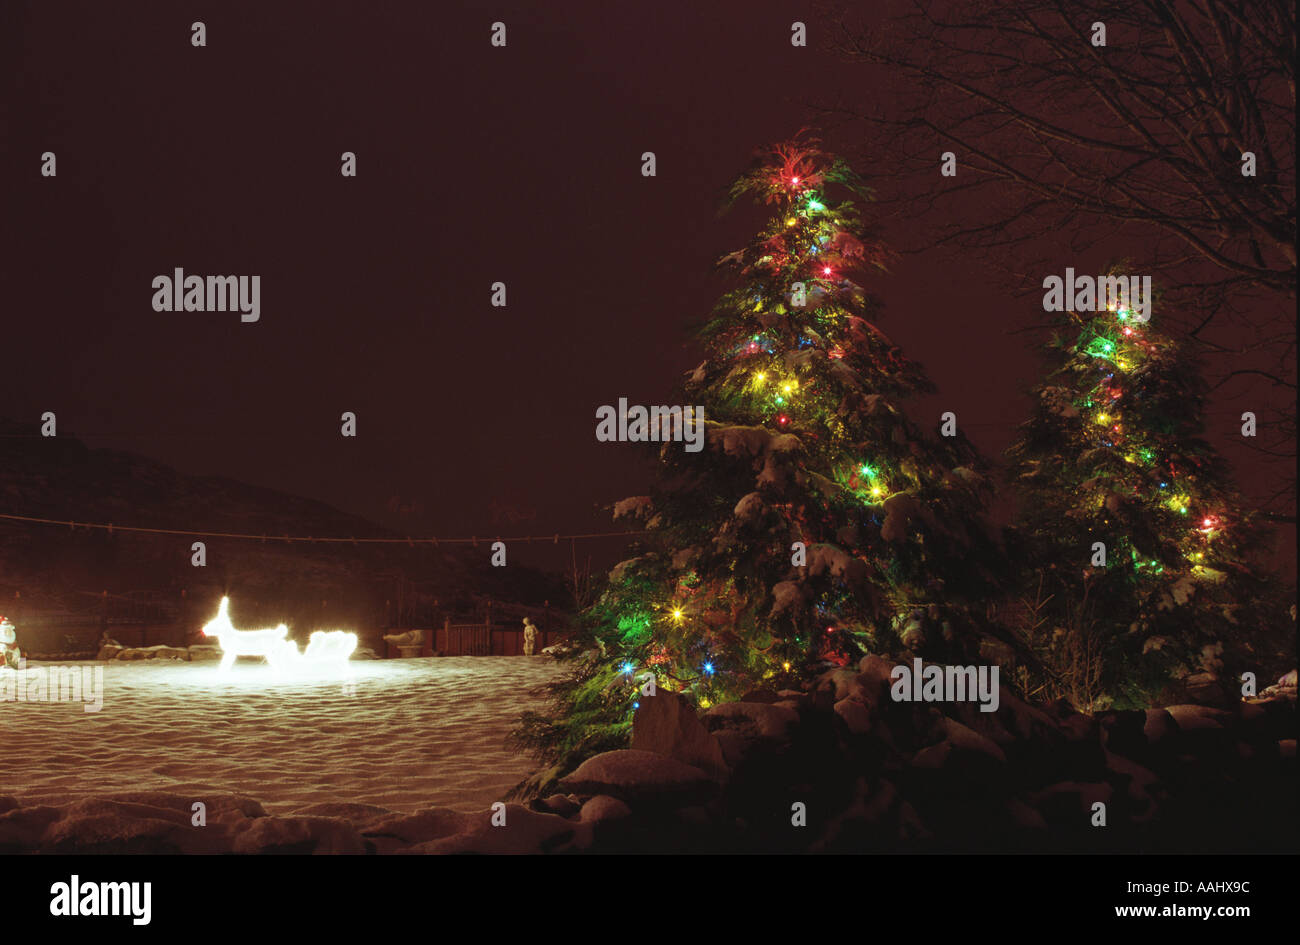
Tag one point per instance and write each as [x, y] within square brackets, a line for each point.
[401, 831]
[741, 728]
[1198, 717]
[855, 715]
[666, 724]
[524, 831]
[316, 835]
[641, 777]
[160, 652]
[602, 808]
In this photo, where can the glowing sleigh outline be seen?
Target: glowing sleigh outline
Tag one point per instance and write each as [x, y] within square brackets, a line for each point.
[327, 650]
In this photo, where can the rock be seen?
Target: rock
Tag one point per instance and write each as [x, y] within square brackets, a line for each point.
[1139, 784]
[1025, 816]
[855, 715]
[298, 835]
[875, 674]
[524, 831]
[220, 807]
[1204, 688]
[1061, 709]
[160, 652]
[910, 826]
[603, 808]
[364, 653]
[1124, 731]
[1198, 717]
[842, 682]
[1027, 722]
[21, 829]
[360, 816]
[933, 757]
[666, 724]
[108, 652]
[740, 727]
[767, 696]
[565, 805]
[200, 652]
[407, 829]
[103, 826]
[1159, 726]
[965, 739]
[1080, 728]
[641, 777]
[695, 816]
[1070, 802]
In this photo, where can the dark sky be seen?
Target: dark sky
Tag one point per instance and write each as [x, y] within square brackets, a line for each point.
[476, 164]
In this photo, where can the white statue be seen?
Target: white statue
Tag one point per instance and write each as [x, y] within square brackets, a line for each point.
[8, 643]
[530, 636]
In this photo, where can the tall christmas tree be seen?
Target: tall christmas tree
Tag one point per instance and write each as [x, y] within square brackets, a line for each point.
[818, 523]
[1136, 548]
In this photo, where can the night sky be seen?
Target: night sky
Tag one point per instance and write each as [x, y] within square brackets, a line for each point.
[475, 164]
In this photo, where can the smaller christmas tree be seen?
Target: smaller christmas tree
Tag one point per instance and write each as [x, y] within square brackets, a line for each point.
[1137, 551]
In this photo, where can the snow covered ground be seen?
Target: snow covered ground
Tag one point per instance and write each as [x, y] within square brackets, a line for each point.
[406, 734]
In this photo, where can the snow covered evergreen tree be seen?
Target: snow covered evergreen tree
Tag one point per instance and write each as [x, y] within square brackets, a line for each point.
[819, 522]
[1133, 543]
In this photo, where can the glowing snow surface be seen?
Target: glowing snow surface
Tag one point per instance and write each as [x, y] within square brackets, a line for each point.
[401, 734]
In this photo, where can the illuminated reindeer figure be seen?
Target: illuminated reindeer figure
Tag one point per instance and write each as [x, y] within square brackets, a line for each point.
[268, 643]
[327, 650]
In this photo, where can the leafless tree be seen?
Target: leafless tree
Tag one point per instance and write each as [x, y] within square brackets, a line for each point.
[1064, 145]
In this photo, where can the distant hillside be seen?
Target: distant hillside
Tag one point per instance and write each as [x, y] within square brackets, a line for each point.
[58, 568]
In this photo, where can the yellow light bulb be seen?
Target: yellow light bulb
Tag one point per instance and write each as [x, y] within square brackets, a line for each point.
[760, 377]
[677, 613]
[791, 221]
[1103, 418]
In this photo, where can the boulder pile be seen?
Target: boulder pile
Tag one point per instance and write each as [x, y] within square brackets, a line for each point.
[837, 768]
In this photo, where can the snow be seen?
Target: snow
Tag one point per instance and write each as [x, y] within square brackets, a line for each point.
[409, 733]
